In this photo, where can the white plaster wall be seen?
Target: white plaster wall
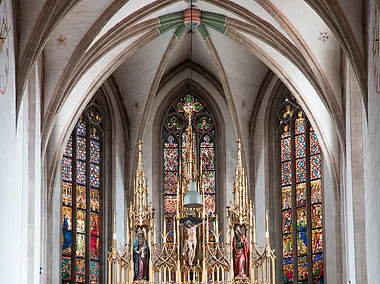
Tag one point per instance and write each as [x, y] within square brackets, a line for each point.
[13, 237]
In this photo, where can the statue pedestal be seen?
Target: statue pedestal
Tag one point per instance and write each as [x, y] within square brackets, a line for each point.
[242, 280]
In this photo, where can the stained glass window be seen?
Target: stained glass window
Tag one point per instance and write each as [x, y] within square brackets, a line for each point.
[81, 190]
[302, 220]
[174, 138]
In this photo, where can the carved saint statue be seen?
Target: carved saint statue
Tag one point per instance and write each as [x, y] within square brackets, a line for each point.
[141, 256]
[241, 254]
[191, 242]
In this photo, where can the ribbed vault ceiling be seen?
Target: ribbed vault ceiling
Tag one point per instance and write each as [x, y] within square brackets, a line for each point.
[241, 41]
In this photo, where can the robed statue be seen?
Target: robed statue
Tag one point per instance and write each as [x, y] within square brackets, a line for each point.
[141, 256]
[240, 254]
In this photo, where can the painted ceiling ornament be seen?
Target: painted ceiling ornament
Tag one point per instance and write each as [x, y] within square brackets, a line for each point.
[61, 40]
[323, 36]
[191, 2]
[192, 15]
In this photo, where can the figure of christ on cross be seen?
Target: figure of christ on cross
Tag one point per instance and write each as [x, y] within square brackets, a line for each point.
[191, 242]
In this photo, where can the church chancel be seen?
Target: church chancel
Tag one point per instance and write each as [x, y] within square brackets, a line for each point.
[195, 249]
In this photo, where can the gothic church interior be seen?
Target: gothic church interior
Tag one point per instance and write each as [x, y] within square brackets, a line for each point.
[113, 111]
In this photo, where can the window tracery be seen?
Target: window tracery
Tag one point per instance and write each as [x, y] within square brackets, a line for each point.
[174, 138]
[301, 190]
[81, 191]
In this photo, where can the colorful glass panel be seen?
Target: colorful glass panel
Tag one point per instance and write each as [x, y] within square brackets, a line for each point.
[204, 123]
[95, 176]
[287, 241]
[81, 127]
[316, 191]
[170, 230]
[317, 239]
[288, 270]
[300, 146]
[170, 206]
[209, 182]
[316, 216]
[171, 159]
[171, 142]
[315, 148]
[301, 170]
[67, 174]
[94, 224]
[302, 268]
[81, 245]
[207, 142]
[207, 157]
[302, 243]
[94, 152]
[286, 149]
[81, 271]
[81, 172]
[301, 194]
[81, 221]
[315, 167]
[81, 197]
[170, 182]
[81, 148]
[67, 228]
[94, 200]
[68, 152]
[300, 126]
[209, 205]
[287, 221]
[286, 173]
[94, 272]
[173, 123]
[318, 268]
[94, 247]
[286, 197]
[67, 194]
[301, 219]
[66, 268]
[94, 134]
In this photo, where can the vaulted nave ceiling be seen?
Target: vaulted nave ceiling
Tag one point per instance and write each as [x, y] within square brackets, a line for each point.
[140, 44]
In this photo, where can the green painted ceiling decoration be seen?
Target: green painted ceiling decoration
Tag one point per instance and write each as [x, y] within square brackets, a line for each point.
[169, 22]
[175, 22]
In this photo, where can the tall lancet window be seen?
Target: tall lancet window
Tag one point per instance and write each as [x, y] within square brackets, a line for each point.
[301, 186]
[174, 135]
[81, 191]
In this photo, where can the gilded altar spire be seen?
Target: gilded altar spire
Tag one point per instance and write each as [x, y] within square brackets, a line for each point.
[141, 212]
[141, 184]
[240, 210]
[240, 182]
